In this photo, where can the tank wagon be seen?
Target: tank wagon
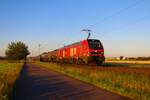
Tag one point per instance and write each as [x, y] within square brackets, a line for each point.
[83, 52]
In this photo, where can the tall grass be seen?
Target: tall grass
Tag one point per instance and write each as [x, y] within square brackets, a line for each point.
[9, 72]
[128, 62]
[133, 85]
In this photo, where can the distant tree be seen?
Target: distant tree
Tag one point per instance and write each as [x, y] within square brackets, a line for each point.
[17, 51]
[121, 57]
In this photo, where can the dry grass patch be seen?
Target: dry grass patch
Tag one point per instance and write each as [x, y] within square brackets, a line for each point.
[133, 85]
[128, 62]
[9, 72]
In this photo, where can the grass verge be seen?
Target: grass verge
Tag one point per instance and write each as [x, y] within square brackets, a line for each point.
[133, 85]
[128, 63]
[9, 73]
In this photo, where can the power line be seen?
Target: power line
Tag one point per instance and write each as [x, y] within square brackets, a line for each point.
[130, 24]
[117, 13]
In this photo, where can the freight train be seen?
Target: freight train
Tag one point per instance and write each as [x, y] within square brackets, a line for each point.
[84, 52]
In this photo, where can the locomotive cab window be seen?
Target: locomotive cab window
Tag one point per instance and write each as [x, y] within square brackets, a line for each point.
[95, 44]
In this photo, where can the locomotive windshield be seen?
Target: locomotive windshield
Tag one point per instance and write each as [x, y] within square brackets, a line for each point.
[95, 44]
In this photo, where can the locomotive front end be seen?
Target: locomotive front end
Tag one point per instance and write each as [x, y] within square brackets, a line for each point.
[96, 51]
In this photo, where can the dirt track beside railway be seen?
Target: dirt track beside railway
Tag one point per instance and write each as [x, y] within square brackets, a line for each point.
[37, 83]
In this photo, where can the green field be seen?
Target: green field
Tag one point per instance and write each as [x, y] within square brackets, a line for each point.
[9, 72]
[131, 84]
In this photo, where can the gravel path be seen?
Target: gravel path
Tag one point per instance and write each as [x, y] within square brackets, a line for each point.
[37, 83]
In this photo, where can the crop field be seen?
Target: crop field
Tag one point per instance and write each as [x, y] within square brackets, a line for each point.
[133, 82]
[129, 62]
[8, 75]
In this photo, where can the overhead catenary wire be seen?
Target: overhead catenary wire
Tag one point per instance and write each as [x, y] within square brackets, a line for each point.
[116, 13]
[130, 24]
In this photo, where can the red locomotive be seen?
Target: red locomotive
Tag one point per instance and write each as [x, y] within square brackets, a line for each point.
[83, 52]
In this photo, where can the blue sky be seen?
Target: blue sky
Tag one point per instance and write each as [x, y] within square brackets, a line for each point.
[55, 23]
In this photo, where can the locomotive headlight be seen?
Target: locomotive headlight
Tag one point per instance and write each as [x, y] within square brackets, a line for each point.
[102, 52]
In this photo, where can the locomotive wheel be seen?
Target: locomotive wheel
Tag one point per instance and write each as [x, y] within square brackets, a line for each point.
[74, 61]
[99, 63]
[80, 61]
